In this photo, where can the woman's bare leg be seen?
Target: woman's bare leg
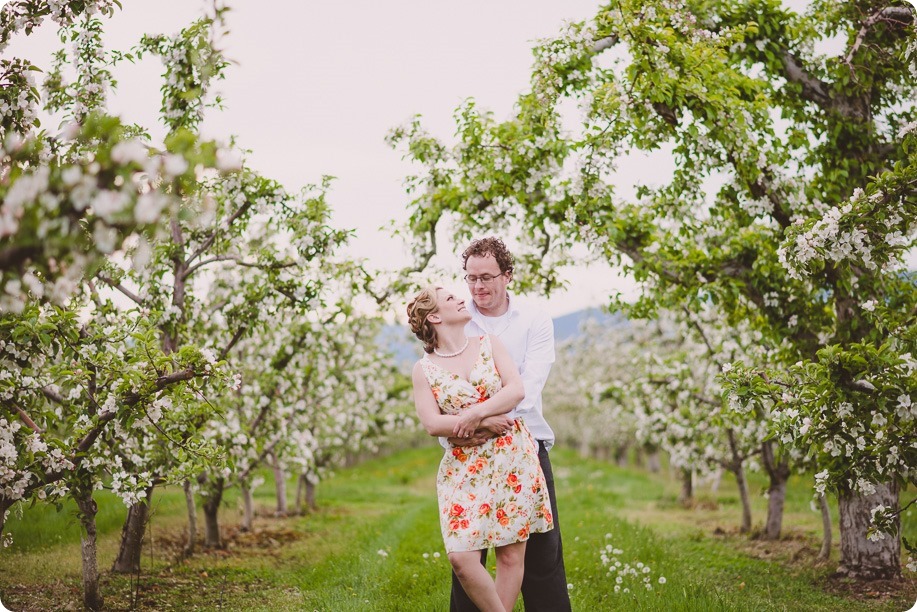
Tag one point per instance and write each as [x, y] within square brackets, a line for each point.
[510, 567]
[476, 580]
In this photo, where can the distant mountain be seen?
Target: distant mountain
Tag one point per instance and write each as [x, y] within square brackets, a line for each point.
[406, 349]
[401, 343]
[571, 325]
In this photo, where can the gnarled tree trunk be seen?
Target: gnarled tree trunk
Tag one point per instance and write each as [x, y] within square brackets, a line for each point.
[310, 494]
[737, 467]
[192, 518]
[92, 594]
[280, 487]
[825, 551]
[739, 472]
[862, 558]
[128, 559]
[779, 473]
[300, 494]
[652, 461]
[686, 496]
[211, 510]
[715, 480]
[248, 508]
[621, 455]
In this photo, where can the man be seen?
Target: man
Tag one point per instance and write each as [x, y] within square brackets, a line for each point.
[528, 333]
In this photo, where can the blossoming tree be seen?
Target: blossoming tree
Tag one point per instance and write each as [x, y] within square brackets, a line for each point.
[790, 206]
[131, 273]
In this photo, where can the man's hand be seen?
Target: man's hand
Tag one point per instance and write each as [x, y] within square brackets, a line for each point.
[491, 427]
[477, 439]
[498, 424]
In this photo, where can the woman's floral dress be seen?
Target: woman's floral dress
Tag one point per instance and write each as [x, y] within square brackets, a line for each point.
[493, 494]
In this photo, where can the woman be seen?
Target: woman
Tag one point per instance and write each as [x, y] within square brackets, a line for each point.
[492, 494]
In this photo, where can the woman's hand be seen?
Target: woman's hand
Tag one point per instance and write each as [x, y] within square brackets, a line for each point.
[468, 422]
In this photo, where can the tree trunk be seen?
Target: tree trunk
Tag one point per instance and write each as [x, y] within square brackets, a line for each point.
[739, 472]
[825, 551]
[860, 557]
[779, 473]
[192, 519]
[211, 510]
[652, 461]
[737, 467]
[310, 495]
[584, 447]
[638, 457]
[128, 560]
[716, 480]
[687, 489]
[621, 455]
[280, 486]
[300, 494]
[248, 507]
[92, 594]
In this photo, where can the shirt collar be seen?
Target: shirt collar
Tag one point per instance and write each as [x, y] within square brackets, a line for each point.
[512, 311]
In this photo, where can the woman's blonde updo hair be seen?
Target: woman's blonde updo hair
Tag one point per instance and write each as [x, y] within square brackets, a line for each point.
[423, 305]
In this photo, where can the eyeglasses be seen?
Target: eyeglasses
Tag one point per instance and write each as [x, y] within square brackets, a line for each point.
[471, 279]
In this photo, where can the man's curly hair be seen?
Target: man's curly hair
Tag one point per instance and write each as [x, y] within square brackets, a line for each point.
[492, 246]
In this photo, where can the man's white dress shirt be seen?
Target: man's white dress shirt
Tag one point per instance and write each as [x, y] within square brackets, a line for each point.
[528, 334]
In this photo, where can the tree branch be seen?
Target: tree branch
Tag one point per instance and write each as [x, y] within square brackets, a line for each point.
[127, 292]
[605, 43]
[819, 92]
[235, 338]
[900, 15]
[238, 260]
[52, 395]
[24, 417]
[213, 235]
[131, 399]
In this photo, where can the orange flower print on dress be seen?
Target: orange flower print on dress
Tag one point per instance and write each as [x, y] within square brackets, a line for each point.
[513, 481]
[492, 494]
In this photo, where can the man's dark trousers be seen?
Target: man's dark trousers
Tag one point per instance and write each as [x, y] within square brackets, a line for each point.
[544, 584]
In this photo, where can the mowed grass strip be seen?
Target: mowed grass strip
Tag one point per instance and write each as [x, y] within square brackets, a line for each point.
[374, 544]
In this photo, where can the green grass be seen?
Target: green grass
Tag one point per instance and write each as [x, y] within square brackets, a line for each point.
[330, 560]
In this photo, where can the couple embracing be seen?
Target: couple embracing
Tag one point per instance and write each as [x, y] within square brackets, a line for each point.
[478, 388]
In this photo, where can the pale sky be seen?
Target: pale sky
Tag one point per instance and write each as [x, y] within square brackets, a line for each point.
[318, 85]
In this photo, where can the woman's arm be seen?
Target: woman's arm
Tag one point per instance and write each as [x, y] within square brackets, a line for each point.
[502, 402]
[435, 422]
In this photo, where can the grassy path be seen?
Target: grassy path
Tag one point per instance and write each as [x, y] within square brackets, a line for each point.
[375, 545]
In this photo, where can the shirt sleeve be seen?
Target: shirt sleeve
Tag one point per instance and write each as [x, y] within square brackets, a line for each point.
[539, 356]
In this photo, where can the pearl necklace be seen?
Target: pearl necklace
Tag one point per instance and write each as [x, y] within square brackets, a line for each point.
[458, 352]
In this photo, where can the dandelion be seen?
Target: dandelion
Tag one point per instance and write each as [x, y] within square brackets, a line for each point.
[382, 553]
[662, 580]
